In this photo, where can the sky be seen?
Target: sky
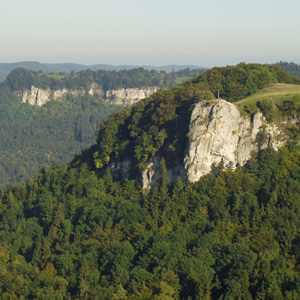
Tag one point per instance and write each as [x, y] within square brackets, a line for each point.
[143, 32]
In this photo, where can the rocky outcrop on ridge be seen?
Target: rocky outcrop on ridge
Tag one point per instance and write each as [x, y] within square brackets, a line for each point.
[217, 134]
[38, 96]
[129, 96]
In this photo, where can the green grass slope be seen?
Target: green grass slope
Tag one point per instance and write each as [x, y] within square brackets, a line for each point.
[277, 92]
[279, 102]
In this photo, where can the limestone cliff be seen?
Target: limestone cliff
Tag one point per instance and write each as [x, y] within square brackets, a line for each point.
[129, 96]
[38, 96]
[217, 132]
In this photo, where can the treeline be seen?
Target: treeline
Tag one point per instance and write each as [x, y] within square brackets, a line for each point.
[290, 67]
[33, 136]
[71, 233]
[20, 79]
[237, 82]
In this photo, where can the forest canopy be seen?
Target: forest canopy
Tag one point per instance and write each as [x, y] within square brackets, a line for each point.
[33, 137]
[20, 79]
[292, 68]
[73, 233]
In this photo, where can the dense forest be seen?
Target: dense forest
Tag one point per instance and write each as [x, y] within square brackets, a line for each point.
[20, 79]
[77, 231]
[33, 136]
[234, 235]
[292, 68]
[6, 68]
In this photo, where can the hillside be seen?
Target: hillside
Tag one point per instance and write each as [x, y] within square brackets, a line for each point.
[123, 87]
[21, 78]
[292, 68]
[32, 138]
[6, 68]
[278, 92]
[159, 126]
[82, 231]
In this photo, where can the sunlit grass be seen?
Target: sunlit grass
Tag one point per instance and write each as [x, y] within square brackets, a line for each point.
[182, 79]
[278, 93]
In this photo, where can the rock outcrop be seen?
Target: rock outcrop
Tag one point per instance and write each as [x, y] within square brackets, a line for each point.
[38, 96]
[129, 96]
[218, 133]
[152, 174]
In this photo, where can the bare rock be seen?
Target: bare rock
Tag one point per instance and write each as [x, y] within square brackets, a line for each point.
[218, 133]
[38, 96]
[129, 96]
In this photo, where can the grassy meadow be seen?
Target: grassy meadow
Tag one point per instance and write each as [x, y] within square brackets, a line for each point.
[278, 93]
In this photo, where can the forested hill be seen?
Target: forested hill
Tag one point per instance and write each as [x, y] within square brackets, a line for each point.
[78, 232]
[6, 68]
[33, 137]
[290, 67]
[21, 78]
[160, 123]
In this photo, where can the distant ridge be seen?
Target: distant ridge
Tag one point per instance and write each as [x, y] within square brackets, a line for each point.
[6, 68]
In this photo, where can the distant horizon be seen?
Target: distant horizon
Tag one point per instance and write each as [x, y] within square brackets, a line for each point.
[93, 64]
[202, 65]
[156, 33]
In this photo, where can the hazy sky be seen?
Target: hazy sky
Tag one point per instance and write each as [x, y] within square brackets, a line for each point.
[156, 32]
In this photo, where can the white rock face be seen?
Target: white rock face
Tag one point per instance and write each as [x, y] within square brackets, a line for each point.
[148, 174]
[37, 96]
[95, 90]
[129, 96]
[218, 132]
[152, 174]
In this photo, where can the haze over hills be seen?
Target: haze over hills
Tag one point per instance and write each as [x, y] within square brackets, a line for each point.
[5, 68]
